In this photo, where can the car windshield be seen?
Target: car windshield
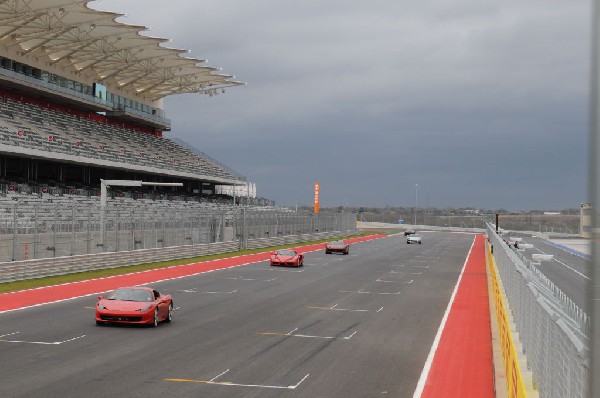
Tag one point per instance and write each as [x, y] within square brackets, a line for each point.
[130, 295]
[286, 253]
[337, 243]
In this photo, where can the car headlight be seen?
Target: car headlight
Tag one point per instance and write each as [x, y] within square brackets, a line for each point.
[146, 308]
[101, 307]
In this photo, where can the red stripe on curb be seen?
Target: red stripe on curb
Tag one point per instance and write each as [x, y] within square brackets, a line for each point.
[462, 365]
[49, 294]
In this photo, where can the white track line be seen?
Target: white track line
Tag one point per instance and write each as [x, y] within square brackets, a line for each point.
[382, 280]
[230, 384]
[308, 336]
[436, 340]
[333, 308]
[404, 272]
[363, 292]
[240, 278]
[9, 334]
[219, 375]
[43, 342]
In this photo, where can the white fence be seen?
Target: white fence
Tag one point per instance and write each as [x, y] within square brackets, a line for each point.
[49, 230]
[32, 269]
[553, 330]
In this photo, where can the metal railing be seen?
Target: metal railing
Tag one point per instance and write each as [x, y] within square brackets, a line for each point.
[35, 231]
[44, 230]
[553, 330]
[33, 269]
[39, 83]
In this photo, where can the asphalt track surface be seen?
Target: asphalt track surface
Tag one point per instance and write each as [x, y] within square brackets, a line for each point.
[569, 272]
[360, 325]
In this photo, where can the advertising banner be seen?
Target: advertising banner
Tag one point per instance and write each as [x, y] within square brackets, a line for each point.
[317, 189]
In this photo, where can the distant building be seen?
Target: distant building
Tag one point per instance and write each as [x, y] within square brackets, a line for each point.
[247, 190]
[585, 220]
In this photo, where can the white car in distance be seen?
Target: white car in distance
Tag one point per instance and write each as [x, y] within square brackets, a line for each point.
[413, 239]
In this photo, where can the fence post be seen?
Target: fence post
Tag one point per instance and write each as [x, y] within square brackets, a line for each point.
[15, 232]
[244, 236]
[154, 230]
[72, 243]
[206, 227]
[190, 220]
[164, 230]
[36, 235]
[88, 239]
[55, 231]
[222, 232]
[103, 226]
[143, 227]
[132, 230]
[199, 226]
[117, 224]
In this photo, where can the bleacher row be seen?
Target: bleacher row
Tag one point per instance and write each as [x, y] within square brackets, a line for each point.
[53, 208]
[31, 126]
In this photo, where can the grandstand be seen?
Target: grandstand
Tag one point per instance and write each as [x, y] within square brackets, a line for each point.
[81, 99]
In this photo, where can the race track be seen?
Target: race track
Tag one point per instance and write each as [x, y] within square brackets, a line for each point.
[359, 325]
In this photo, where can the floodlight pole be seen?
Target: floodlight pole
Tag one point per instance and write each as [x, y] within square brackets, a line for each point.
[105, 184]
[416, 201]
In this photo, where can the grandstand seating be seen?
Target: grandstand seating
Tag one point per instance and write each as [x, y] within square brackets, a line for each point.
[59, 200]
[51, 206]
[31, 126]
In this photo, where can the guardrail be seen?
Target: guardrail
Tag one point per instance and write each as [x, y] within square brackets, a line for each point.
[33, 269]
[291, 239]
[423, 227]
[553, 330]
[572, 310]
[37, 228]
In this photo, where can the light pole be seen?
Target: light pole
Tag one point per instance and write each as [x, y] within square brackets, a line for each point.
[416, 202]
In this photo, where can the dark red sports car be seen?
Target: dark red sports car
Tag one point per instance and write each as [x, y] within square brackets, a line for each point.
[287, 257]
[337, 246]
[136, 305]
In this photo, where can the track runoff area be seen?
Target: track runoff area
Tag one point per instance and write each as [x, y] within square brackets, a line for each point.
[389, 319]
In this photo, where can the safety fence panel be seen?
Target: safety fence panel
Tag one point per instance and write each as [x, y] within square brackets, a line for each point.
[553, 336]
[33, 269]
[51, 230]
[514, 377]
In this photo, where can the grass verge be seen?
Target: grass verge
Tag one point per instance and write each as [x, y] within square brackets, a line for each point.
[81, 276]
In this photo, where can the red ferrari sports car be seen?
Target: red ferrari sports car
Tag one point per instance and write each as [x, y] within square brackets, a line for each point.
[136, 305]
[337, 246]
[287, 257]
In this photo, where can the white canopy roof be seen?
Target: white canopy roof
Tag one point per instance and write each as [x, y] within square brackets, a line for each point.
[91, 41]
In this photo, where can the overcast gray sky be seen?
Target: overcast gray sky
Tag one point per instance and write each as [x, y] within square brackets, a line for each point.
[481, 104]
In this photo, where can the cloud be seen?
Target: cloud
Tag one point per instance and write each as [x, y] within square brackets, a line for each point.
[481, 103]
